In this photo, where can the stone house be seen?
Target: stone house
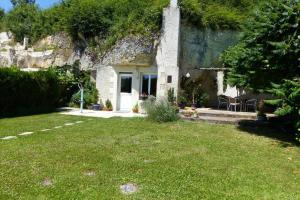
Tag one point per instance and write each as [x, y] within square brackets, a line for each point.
[181, 50]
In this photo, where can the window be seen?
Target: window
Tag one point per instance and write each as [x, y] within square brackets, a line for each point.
[126, 83]
[169, 79]
[149, 83]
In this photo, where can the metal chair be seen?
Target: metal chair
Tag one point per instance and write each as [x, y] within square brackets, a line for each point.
[234, 103]
[251, 103]
[222, 100]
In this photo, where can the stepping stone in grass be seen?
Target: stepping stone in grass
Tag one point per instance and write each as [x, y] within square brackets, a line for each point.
[78, 122]
[69, 124]
[89, 173]
[149, 161]
[9, 138]
[47, 182]
[44, 130]
[57, 127]
[26, 133]
[129, 188]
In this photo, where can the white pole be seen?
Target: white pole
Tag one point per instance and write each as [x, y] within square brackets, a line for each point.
[81, 97]
[81, 100]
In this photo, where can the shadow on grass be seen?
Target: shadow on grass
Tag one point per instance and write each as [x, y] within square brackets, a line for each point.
[270, 129]
[27, 112]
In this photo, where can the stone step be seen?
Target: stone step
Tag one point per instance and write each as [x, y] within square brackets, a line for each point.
[224, 113]
[227, 115]
[217, 120]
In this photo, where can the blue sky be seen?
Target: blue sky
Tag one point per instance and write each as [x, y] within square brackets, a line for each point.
[42, 3]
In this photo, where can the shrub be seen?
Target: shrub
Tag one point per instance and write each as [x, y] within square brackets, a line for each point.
[108, 105]
[28, 92]
[90, 95]
[160, 111]
[171, 96]
[217, 14]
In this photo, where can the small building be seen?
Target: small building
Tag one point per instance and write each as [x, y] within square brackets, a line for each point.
[181, 49]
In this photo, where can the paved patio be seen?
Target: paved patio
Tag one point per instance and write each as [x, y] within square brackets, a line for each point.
[219, 116]
[99, 114]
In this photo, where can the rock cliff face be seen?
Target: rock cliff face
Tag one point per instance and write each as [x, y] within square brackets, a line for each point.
[59, 49]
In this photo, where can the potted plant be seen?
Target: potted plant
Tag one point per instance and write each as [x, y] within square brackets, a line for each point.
[108, 105]
[182, 102]
[261, 115]
[135, 109]
[202, 99]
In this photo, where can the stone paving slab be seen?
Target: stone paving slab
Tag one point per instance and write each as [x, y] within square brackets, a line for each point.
[26, 133]
[45, 130]
[69, 124]
[9, 138]
[99, 114]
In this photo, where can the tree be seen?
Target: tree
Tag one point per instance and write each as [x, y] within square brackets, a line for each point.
[267, 59]
[21, 2]
[24, 21]
[2, 13]
[269, 51]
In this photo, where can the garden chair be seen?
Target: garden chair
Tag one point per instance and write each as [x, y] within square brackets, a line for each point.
[222, 101]
[234, 103]
[251, 103]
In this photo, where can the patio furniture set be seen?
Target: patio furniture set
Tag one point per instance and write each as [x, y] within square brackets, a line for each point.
[240, 103]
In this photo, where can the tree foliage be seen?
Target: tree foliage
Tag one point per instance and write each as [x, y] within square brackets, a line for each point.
[269, 51]
[288, 102]
[217, 14]
[24, 21]
[268, 56]
[21, 2]
[88, 20]
[2, 15]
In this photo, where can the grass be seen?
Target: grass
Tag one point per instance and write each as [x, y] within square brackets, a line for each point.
[184, 160]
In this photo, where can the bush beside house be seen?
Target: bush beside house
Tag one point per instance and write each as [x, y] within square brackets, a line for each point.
[23, 92]
[42, 91]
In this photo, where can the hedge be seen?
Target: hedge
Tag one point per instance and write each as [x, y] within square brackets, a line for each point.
[28, 92]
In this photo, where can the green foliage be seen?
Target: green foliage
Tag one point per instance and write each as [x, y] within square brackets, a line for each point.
[267, 57]
[171, 96]
[88, 18]
[28, 92]
[104, 22]
[160, 111]
[94, 22]
[2, 15]
[217, 14]
[90, 95]
[191, 91]
[108, 105]
[21, 2]
[69, 77]
[269, 48]
[23, 21]
[288, 102]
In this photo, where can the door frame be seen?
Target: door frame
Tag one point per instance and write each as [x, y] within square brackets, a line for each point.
[120, 75]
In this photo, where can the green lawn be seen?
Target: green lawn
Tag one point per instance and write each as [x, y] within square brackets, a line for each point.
[180, 160]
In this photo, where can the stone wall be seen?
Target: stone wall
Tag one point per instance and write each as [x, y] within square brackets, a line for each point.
[201, 48]
[58, 50]
[200, 56]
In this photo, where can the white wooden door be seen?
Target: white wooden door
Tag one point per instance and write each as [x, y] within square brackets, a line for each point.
[125, 92]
